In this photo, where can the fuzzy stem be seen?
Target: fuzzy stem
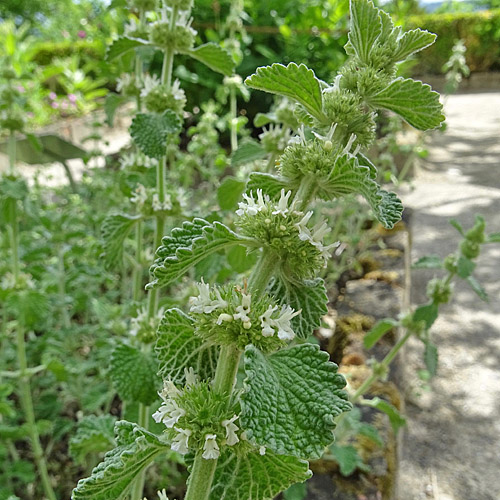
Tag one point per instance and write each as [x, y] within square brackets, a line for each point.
[12, 152]
[137, 276]
[234, 115]
[143, 421]
[27, 404]
[263, 272]
[305, 192]
[202, 475]
[168, 58]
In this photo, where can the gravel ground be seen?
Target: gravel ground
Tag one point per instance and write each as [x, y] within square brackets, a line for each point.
[451, 448]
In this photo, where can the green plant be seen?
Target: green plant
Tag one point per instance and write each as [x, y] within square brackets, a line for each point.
[251, 436]
[456, 67]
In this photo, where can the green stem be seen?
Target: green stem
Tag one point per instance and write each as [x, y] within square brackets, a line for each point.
[27, 404]
[363, 388]
[202, 474]
[62, 288]
[168, 58]
[13, 230]
[263, 272]
[234, 115]
[143, 421]
[305, 192]
[137, 276]
[12, 152]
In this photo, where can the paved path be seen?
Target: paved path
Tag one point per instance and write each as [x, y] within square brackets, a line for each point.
[452, 444]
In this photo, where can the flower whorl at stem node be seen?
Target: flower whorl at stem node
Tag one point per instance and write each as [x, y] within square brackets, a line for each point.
[282, 230]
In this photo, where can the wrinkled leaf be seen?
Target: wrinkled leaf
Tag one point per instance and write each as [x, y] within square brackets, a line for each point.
[229, 192]
[215, 57]
[247, 152]
[94, 435]
[378, 331]
[122, 45]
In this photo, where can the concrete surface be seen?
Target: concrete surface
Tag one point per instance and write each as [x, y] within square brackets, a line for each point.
[451, 448]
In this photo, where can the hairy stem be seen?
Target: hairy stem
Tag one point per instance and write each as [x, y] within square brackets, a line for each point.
[263, 272]
[27, 404]
[137, 274]
[202, 475]
[233, 121]
[305, 193]
[12, 152]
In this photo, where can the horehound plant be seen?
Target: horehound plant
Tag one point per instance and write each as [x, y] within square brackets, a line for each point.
[250, 436]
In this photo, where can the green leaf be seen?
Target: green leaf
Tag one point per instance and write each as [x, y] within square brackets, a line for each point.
[178, 348]
[291, 400]
[240, 260]
[247, 152]
[457, 226]
[348, 176]
[414, 101]
[428, 262]
[493, 238]
[123, 45]
[378, 331]
[308, 296]
[270, 184]
[465, 267]
[395, 418]
[297, 491]
[150, 131]
[365, 28]
[213, 56]
[229, 192]
[171, 265]
[30, 306]
[94, 435]
[348, 459]
[427, 313]
[295, 82]
[115, 229]
[133, 373]
[111, 104]
[262, 119]
[478, 289]
[252, 476]
[431, 358]
[112, 479]
[413, 41]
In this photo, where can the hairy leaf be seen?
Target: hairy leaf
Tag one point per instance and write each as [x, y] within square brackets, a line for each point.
[247, 152]
[428, 262]
[93, 435]
[365, 28]
[115, 229]
[378, 331]
[178, 348]
[413, 41]
[465, 267]
[295, 82]
[123, 45]
[270, 184]
[348, 176]
[229, 192]
[427, 313]
[240, 260]
[111, 104]
[414, 101]
[180, 237]
[431, 358]
[308, 296]
[395, 418]
[348, 459]
[213, 56]
[150, 131]
[133, 373]
[170, 266]
[291, 400]
[477, 288]
[252, 476]
[113, 478]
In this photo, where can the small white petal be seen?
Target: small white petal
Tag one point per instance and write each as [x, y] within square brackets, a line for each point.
[210, 448]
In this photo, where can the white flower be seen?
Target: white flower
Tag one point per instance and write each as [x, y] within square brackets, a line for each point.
[327, 139]
[169, 391]
[191, 377]
[210, 448]
[162, 495]
[243, 310]
[315, 237]
[262, 450]
[180, 442]
[224, 317]
[300, 138]
[169, 413]
[158, 206]
[139, 196]
[251, 206]
[150, 83]
[304, 233]
[282, 207]
[177, 93]
[349, 144]
[267, 323]
[231, 428]
[123, 81]
[204, 303]
[282, 323]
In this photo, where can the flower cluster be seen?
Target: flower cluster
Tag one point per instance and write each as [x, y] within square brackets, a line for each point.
[158, 98]
[282, 229]
[143, 327]
[197, 418]
[135, 160]
[148, 201]
[228, 315]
